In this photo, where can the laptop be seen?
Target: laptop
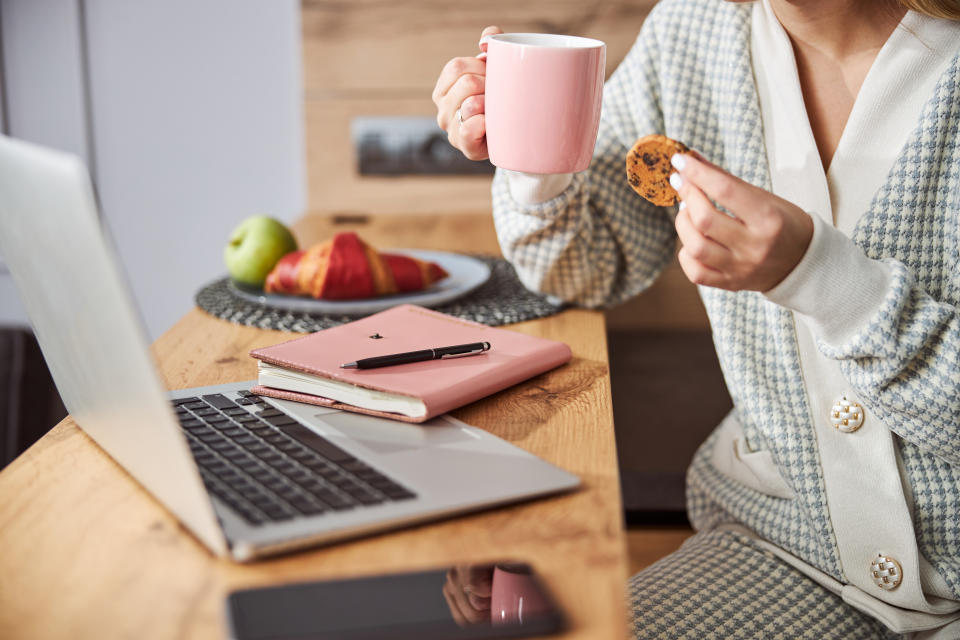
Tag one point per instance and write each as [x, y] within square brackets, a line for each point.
[248, 476]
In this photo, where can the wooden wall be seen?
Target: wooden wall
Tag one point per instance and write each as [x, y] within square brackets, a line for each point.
[382, 57]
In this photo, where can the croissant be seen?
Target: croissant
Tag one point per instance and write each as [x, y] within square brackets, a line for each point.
[346, 267]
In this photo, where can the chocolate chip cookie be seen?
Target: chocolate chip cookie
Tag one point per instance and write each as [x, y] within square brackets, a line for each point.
[649, 168]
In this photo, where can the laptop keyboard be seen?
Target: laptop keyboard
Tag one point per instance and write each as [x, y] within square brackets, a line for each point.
[270, 468]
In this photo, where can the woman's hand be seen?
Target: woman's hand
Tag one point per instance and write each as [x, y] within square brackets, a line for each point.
[459, 99]
[754, 250]
[468, 591]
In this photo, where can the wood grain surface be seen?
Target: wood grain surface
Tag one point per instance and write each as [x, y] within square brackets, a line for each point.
[86, 553]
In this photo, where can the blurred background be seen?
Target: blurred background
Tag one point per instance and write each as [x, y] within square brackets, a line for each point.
[192, 115]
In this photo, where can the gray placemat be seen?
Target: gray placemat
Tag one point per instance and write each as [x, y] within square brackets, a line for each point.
[500, 300]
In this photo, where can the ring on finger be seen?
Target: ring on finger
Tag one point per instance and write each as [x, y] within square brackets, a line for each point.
[459, 116]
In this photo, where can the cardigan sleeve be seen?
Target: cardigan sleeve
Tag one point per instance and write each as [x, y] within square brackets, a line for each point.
[897, 345]
[597, 243]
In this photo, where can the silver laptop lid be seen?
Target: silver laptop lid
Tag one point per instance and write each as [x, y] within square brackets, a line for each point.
[89, 330]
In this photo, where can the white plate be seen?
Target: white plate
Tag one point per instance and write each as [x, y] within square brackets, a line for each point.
[466, 274]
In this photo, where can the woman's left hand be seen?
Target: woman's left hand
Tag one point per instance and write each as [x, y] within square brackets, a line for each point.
[754, 250]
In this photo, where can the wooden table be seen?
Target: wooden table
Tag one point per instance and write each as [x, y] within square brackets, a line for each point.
[86, 553]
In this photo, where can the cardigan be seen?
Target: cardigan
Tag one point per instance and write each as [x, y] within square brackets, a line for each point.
[689, 76]
[869, 508]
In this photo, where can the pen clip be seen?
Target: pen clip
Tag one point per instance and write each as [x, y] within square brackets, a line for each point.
[461, 355]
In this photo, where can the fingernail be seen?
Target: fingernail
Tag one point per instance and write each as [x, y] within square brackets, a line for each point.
[682, 206]
[676, 181]
[678, 161]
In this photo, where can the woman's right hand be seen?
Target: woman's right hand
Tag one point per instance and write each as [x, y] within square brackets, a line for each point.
[460, 87]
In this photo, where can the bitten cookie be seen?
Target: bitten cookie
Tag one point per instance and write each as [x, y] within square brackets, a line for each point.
[649, 168]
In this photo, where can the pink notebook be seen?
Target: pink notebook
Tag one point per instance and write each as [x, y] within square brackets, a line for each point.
[431, 388]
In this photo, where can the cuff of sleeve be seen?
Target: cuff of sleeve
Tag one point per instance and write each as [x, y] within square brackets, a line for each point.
[536, 188]
[835, 287]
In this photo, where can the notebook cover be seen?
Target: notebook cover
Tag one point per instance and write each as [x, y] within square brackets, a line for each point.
[442, 385]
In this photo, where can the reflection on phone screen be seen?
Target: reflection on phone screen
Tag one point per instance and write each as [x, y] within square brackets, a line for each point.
[494, 600]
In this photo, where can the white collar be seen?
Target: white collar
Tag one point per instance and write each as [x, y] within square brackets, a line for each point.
[886, 111]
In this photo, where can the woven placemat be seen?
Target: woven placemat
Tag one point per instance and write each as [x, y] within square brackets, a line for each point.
[502, 299]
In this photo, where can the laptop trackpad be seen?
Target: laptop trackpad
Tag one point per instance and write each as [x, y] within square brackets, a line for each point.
[381, 435]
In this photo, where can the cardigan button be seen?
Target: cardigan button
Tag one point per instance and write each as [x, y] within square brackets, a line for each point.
[846, 415]
[886, 572]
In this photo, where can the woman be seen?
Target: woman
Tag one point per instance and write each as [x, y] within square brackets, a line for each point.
[827, 504]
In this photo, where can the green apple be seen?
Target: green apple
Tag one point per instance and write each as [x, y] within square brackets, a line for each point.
[255, 246]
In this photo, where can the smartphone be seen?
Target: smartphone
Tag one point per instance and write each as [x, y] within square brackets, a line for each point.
[490, 600]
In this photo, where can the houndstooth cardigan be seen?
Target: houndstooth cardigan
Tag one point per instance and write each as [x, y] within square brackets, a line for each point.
[597, 244]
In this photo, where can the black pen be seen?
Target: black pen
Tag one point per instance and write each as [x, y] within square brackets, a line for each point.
[456, 351]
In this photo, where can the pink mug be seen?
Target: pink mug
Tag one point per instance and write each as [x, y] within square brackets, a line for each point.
[543, 95]
[515, 596]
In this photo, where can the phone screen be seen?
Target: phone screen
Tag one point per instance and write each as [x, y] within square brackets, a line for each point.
[497, 600]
